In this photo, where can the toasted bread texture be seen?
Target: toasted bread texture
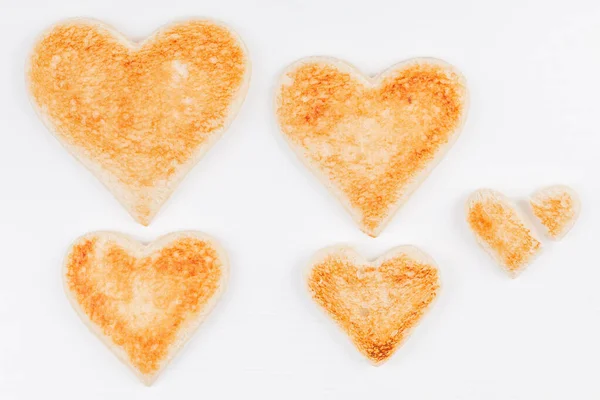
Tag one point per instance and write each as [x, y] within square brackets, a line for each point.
[371, 140]
[556, 208]
[376, 303]
[144, 301]
[502, 230]
[139, 116]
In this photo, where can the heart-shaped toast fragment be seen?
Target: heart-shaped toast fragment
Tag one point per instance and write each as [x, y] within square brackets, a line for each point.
[502, 230]
[371, 141]
[557, 208]
[138, 116]
[144, 302]
[376, 303]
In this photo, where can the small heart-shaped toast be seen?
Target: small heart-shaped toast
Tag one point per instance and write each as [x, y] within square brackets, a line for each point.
[502, 230]
[371, 140]
[144, 302]
[376, 303]
[557, 208]
[139, 116]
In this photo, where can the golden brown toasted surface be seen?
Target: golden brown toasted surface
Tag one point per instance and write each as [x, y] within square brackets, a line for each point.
[376, 306]
[139, 113]
[556, 210]
[501, 228]
[141, 303]
[371, 141]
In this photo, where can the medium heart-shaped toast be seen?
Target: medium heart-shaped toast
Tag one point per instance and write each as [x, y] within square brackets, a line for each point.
[377, 304]
[144, 302]
[371, 140]
[502, 230]
[139, 116]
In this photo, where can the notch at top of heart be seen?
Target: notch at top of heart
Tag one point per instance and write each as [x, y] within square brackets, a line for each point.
[138, 115]
[372, 141]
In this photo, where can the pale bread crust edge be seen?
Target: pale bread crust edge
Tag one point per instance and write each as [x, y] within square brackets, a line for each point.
[487, 193]
[163, 190]
[546, 191]
[354, 256]
[139, 250]
[372, 82]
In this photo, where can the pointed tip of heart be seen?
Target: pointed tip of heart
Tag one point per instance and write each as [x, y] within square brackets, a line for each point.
[145, 221]
[371, 232]
[148, 380]
[377, 361]
[371, 229]
[144, 212]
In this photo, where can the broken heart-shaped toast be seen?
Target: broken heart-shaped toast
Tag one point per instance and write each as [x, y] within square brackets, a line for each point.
[139, 116]
[144, 301]
[376, 303]
[556, 208]
[371, 140]
[502, 230]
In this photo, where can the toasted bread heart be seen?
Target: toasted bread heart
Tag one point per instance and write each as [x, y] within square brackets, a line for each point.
[377, 304]
[139, 116]
[502, 230]
[144, 302]
[371, 141]
[557, 208]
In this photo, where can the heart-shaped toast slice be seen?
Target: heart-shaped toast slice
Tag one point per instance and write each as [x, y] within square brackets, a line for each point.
[502, 230]
[376, 303]
[557, 208]
[371, 140]
[144, 302]
[139, 116]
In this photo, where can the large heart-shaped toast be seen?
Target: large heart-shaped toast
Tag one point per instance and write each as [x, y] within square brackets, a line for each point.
[144, 302]
[377, 304]
[139, 116]
[371, 140]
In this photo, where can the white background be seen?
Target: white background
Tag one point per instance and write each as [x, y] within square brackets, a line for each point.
[533, 69]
